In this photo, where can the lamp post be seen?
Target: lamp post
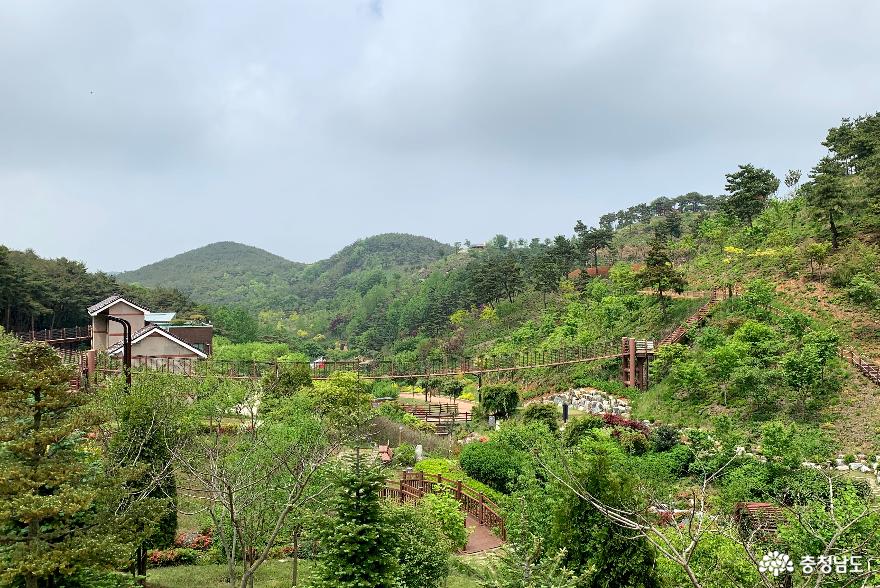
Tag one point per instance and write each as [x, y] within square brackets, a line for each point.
[126, 349]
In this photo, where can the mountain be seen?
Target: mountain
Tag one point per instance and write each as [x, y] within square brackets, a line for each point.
[229, 273]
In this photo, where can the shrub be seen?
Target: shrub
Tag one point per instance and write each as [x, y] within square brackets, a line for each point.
[613, 420]
[665, 437]
[542, 412]
[632, 442]
[405, 455]
[666, 357]
[579, 428]
[863, 290]
[172, 557]
[421, 550]
[446, 514]
[496, 466]
[469, 396]
[194, 540]
[499, 399]
[452, 387]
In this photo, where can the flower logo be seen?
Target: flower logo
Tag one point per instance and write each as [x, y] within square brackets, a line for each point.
[776, 563]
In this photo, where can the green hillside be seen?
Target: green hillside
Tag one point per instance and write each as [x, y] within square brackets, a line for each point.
[229, 273]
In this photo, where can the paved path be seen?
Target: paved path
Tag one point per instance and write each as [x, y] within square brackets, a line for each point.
[481, 538]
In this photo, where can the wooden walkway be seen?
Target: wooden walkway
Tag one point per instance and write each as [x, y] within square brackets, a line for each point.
[57, 336]
[868, 368]
[695, 319]
[410, 487]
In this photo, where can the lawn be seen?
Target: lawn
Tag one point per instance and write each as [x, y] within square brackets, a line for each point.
[272, 574]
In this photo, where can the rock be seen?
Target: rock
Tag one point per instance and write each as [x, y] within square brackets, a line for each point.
[842, 468]
[855, 466]
[419, 453]
[865, 469]
[739, 450]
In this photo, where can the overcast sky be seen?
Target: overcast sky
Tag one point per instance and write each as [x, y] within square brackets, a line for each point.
[133, 131]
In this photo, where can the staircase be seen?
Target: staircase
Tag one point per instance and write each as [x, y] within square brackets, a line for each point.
[679, 332]
[868, 368]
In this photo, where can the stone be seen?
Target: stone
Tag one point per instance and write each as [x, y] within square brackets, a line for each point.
[842, 468]
[419, 452]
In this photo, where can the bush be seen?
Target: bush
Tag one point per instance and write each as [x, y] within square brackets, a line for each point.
[500, 400]
[632, 442]
[421, 549]
[405, 455]
[496, 466]
[580, 428]
[863, 290]
[543, 412]
[445, 512]
[194, 540]
[613, 420]
[452, 387]
[469, 396]
[665, 437]
[172, 557]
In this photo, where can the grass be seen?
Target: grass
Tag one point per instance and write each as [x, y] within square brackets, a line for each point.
[272, 574]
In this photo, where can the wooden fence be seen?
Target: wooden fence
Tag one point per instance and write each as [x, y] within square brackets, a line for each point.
[412, 486]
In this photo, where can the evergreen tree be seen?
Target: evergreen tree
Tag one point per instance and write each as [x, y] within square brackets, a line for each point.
[659, 272]
[57, 512]
[357, 546]
[749, 188]
[590, 240]
[828, 196]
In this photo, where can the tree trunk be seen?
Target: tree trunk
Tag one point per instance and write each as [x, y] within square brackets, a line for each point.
[833, 230]
[596, 261]
[294, 567]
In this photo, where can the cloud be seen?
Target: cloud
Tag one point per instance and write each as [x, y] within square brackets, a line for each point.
[299, 127]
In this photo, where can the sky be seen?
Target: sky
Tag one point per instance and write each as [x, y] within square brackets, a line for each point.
[133, 131]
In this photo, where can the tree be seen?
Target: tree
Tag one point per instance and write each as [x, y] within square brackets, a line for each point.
[749, 188]
[590, 240]
[525, 564]
[606, 554]
[58, 507]
[816, 254]
[827, 195]
[658, 272]
[544, 413]
[357, 543]
[499, 399]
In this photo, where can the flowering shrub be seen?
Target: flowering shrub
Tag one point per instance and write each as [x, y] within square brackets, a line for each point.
[172, 557]
[613, 420]
[194, 540]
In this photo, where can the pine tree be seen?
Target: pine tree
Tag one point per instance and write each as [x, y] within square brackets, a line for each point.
[659, 272]
[53, 489]
[828, 196]
[749, 188]
[357, 546]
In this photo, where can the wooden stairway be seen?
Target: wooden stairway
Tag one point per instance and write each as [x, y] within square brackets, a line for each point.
[868, 368]
[679, 332]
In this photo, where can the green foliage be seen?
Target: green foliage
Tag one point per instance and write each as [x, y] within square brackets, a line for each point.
[863, 290]
[659, 272]
[445, 514]
[547, 414]
[605, 554]
[493, 464]
[580, 428]
[500, 400]
[358, 543]
[525, 564]
[749, 188]
[405, 455]
[665, 437]
[278, 386]
[61, 504]
[420, 548]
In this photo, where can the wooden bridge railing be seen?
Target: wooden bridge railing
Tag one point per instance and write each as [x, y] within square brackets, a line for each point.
[412, 486]
[376, 369]
[870, 369]
[71, 334]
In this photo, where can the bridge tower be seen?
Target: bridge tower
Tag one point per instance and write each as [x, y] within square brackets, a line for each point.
[635, 355]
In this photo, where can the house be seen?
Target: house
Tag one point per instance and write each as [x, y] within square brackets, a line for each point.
[154, 334]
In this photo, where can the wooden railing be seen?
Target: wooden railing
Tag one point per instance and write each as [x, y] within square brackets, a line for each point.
[50, 336]
[443, 416]
[376, 369]
[870, 369]
[412, 486]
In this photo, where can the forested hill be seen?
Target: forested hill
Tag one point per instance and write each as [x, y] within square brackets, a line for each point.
[229, 273]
